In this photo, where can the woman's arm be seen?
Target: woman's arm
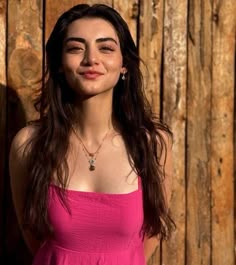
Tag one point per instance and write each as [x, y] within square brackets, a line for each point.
[150, 244]
[18, 179]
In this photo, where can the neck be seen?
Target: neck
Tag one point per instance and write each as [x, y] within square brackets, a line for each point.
[94, 119]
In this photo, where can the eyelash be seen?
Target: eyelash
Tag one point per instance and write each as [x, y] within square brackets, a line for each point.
[106, 48]
[74, 48]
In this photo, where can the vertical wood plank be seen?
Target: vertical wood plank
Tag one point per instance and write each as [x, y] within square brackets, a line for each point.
[222, 160]
[129, 12]
[151, 47]
[3, 117]
[24, 51]
[174, 113]
[54, 9]
[198, 133]
[24, 71]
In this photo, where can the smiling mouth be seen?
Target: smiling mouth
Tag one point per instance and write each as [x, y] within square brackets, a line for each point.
[91, 75]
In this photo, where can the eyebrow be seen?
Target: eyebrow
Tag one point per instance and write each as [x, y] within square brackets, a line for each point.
[78, 39]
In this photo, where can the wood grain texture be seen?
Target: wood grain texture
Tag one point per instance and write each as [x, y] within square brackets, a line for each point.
[174, 113]
[222, 111]
[3, 42]
[198, 134]
[54, 9]
[24, 55]
[24, 52]
[129, 11]
[150, 44]
[3, 117]
[151, 47]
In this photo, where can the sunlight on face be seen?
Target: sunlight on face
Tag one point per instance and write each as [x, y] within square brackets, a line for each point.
[91, 58]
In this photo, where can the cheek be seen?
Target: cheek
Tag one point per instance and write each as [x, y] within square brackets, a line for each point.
[114, 65]
[69, 71]
[70, 63]
[114, 62]
[67, 68]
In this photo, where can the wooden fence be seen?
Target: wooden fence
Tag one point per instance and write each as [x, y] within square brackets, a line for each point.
[189, 47]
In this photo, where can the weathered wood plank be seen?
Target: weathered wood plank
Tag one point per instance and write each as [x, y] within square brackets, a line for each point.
[24, 50]
[174, 113]
[24, 71]
[129, 11]
[3, 121]
[54, 9]
[198, 133]
[222, 154]
[150, 44]
[151, 47]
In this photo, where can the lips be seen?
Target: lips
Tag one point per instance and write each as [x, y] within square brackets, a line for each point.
[91, 74]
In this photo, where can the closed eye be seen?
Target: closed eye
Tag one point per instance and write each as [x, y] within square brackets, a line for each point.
[74, 49]
[107, 48]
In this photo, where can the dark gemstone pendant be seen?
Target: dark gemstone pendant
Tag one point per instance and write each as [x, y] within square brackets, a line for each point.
[92, 164]
[91, 168]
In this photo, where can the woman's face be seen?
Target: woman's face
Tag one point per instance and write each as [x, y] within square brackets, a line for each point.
[91, 57]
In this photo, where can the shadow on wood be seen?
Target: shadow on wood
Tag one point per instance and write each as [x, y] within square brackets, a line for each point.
[13, 249]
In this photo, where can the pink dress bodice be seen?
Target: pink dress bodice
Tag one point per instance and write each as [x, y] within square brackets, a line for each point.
[100, 229]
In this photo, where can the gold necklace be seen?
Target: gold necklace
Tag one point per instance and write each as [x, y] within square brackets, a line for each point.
[91, 156]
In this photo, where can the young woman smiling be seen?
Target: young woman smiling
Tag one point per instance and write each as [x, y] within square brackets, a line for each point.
[91, 179]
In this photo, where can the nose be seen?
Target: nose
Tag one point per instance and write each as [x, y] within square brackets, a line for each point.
[90, 56]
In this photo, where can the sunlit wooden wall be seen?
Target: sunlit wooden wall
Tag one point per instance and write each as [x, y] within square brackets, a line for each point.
[189, 47]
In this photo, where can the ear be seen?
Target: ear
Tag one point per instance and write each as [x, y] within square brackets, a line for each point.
[124, 70]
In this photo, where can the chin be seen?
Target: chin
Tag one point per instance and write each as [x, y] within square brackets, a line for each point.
[93, 91]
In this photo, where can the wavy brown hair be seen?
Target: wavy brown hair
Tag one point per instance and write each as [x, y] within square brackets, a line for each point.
[140, 129]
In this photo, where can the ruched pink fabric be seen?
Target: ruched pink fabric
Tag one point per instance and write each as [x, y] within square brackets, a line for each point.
[101, 229]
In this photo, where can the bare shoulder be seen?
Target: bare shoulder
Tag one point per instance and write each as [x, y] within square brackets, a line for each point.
[21, 139]
[18, 156]
[18, 168]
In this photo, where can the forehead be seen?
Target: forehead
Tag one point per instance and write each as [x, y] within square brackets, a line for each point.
[91, 28]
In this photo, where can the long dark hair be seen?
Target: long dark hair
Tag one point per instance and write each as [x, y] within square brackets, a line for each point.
[140, 129]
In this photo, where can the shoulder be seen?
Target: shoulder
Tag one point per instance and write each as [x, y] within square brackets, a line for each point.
[19, 161]
[18, 169]
[19, 153]
[21, 141]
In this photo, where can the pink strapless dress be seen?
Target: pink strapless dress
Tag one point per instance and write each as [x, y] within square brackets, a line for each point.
[102, 229]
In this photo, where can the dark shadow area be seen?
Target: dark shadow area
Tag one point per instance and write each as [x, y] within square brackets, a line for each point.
[14, 250]
[3, 154]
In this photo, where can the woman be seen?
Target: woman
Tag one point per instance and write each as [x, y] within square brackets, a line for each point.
[91, 178]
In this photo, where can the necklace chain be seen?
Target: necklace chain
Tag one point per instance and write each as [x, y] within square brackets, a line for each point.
[91, 156]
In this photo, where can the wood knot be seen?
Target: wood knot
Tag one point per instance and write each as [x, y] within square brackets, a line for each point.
[215, 18]
[25, 67]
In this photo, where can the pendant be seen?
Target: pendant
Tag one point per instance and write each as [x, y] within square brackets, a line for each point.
[92, 164]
